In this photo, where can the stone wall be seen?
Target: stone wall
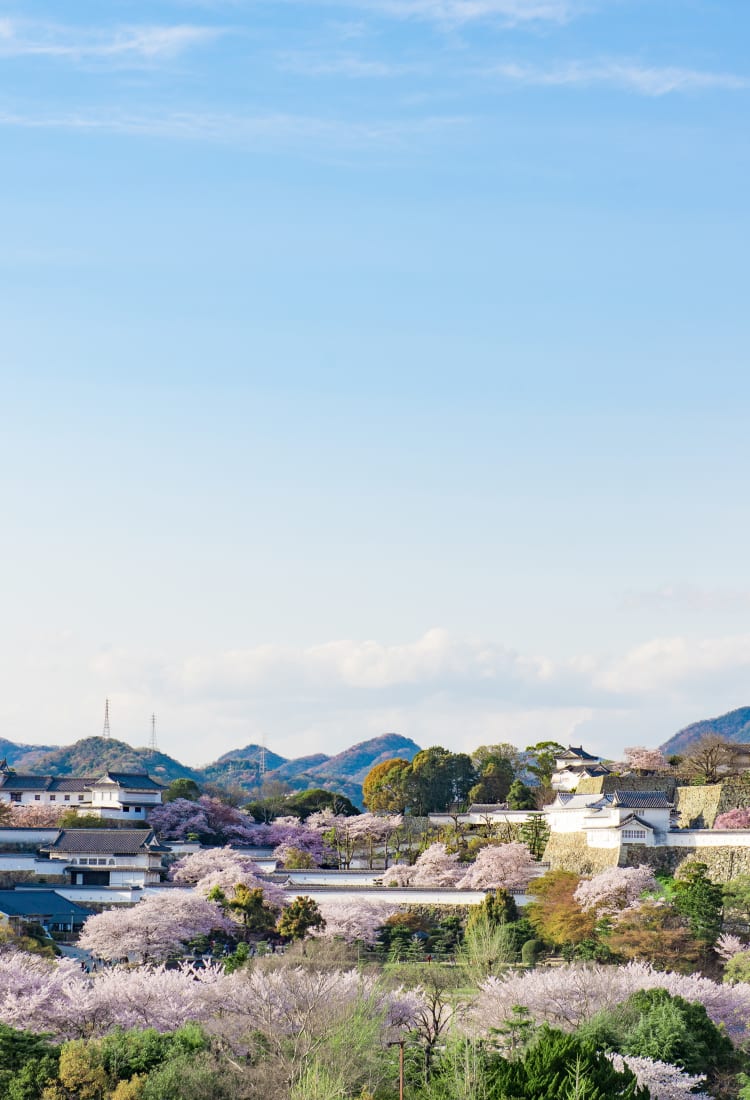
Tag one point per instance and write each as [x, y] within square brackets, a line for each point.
[569, 852]
[723, 864]
[607, 784]
[700, 806]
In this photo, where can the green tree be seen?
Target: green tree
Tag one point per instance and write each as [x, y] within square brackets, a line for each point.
[498, 907]
[535, 834]
[304, 803]
[298, 918]
[540, 760]
[557, 1066]
[182, 788]
[437, 780]
[247, 905]
[384, 786]
[700, 901]
[26, 1063]
[521, 797]
[494, 783]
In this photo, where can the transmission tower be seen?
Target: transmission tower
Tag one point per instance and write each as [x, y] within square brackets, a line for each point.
[152, 746]
[262, 759]
[106, 732]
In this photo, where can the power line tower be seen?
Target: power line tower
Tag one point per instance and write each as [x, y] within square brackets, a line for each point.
[152, 746]
[106, 732]
[262, 759]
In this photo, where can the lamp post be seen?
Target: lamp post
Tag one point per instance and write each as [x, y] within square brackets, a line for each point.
[400, 1044]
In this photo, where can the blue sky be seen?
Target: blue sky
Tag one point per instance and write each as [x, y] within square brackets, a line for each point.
[373, 365]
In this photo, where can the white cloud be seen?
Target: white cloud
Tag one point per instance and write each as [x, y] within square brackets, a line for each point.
[690, 597]
[345, 65]
[435, 689]
[250, 131]
[458, 12]
[646, 80]
[125, 43]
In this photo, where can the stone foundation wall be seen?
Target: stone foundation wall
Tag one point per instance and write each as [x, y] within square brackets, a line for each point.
[700, 806]
[723, 864]
[607, 784]
[569, 852]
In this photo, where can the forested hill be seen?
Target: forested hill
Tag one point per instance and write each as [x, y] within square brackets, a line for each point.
[95, 755]
[239, 768]
[732, 726]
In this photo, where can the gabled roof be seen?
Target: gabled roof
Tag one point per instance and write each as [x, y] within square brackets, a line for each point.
[71, 783]
[634, 819]
[573, 753]
[115, 842]
[40, 903]
[133, 781]
[642, 800]
[583, 770]
[487, 807]
[12, 781]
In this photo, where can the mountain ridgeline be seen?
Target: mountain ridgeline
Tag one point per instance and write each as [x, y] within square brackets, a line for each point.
[238, 770]
[732, 726]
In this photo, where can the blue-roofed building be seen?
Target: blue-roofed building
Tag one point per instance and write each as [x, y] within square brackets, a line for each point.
[46, 907]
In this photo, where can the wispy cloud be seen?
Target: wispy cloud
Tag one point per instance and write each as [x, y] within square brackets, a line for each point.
[458, 12]
[346, 65]
[690, 597]
[251, 131]
[122, 43]
[643, 79]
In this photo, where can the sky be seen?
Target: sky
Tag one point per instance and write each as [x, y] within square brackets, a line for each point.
[372, 366]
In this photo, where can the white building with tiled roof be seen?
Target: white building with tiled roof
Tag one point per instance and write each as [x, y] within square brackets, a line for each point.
[108, 857]
[609, 820]
[123, 795]
[573, 765]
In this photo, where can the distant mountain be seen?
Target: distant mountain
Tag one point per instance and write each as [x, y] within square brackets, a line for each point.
[238, 769]
[356, 762]
[291, 770]
[12, 751]
[95, 755]
[241, 767]
[733, 726]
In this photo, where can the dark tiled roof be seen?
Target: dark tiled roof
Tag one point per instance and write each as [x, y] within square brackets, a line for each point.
[573, 753]
[14, 782]
[40, 903]
[642, 800]
[116, 842]
[72, 783]
[134, 781]
[486, 807]
[634, 819]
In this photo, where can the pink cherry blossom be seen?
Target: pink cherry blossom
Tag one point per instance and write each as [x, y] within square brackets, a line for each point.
[615, 888]
[500, 865]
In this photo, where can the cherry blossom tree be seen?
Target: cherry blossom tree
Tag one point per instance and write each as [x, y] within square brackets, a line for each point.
[179, 820]
[208, 819]
[615, 889]
[153, 929]
[224, 869]
[569, 995]
[35, 817]
[435, 867]
[210, 861]
[398, 874]
[663, 1080]
[733, 819]
[354, 920]
[509, 866]
[727, 946]
[647, 760]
